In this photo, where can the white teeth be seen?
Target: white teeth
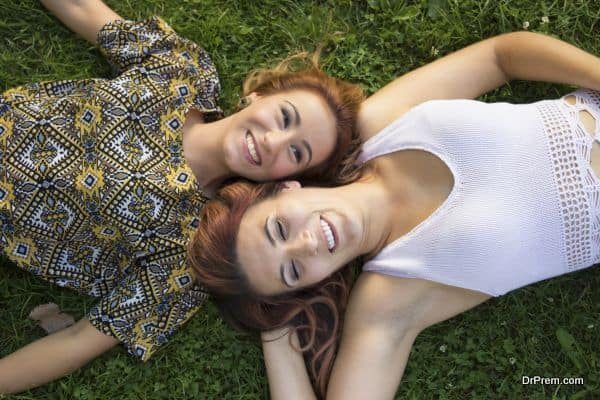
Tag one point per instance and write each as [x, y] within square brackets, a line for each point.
[251, 149]
[328, 234]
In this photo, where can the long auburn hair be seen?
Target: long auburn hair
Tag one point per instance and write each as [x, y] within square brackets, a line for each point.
[301, 71]
[315, 313]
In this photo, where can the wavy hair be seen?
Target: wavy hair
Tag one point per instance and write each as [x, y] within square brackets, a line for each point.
[302, 72]
[315, 313]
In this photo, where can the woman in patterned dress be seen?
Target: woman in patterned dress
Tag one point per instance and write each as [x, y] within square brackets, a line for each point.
[460, 201]
[102, 180]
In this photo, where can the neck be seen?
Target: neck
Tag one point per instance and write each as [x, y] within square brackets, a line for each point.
[203, 151]
[375, 205]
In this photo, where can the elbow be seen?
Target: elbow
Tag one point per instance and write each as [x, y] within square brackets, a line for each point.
[509, 48]
[503, 52]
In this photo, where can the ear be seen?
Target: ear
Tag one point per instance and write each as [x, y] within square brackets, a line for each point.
[254, 96]
[289, 185]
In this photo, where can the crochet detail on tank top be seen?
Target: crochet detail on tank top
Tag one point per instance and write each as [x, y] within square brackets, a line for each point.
[579, 193]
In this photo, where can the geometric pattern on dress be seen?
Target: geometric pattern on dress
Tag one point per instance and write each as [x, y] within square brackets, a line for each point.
[50, 213]
[136, 205]
[43, 150]
[74, 266]
[95, 194]
[156, 322]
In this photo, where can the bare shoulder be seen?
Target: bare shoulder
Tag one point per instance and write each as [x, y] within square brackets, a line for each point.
[463, 74]
[408, 303]
[373, 117]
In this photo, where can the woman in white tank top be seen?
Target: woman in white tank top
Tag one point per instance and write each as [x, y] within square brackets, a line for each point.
[460, 201]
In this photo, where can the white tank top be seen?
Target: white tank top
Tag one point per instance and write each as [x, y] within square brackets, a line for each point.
[525, 205]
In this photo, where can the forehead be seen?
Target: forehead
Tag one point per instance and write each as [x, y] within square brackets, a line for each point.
[256, 255]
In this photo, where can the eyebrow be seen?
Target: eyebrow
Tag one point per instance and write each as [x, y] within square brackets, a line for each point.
[281, 268]
[308, 150]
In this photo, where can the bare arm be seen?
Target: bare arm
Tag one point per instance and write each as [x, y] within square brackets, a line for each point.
[84, 17]
[479, 68]
[377, 339]
[373, 350]
[371, 363]
[369, 366]
[286, 371]
[384, 317]
[52, 357]
[537, 57]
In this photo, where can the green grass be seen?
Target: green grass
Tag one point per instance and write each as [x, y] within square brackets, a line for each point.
[487, 350]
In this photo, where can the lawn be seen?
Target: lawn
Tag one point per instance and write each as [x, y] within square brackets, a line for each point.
[549, 329]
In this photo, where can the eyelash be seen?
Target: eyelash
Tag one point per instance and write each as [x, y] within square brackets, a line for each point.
[286, 118]
[295, 274]
[283, 234]
[281, 229]
[296, 153]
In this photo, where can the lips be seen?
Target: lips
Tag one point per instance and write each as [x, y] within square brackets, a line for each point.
[330, 234]
[252, 149]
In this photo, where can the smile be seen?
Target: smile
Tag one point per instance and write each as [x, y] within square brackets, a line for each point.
[329, 233]
[251, 146]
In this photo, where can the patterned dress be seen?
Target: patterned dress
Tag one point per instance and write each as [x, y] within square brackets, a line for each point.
[95, 194]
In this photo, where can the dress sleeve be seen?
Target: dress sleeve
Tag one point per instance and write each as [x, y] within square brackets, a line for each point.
[155, 49]
[126, 43]
[150, 304]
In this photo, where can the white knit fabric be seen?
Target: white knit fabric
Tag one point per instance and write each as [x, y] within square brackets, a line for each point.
[525, 205]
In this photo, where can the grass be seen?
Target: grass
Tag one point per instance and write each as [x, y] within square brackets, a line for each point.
[548, 329]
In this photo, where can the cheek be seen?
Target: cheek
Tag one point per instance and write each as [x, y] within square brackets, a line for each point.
[280, 169]
[317, 271]
[324, 153]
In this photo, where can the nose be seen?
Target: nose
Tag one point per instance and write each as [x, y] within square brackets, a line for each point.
[304, 244]
[274, 141]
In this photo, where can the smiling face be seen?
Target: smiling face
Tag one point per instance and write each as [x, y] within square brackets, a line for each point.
[280, 135]
[297, 238]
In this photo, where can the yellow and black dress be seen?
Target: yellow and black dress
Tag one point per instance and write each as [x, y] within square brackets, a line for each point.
[95, 194]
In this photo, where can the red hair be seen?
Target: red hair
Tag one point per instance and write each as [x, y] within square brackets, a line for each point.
[315, 312]
[343, 99]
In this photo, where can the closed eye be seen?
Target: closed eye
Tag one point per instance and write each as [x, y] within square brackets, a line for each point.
[296, 153]
[285, 116]
[295, 272]
[281, 229]
[290, 274]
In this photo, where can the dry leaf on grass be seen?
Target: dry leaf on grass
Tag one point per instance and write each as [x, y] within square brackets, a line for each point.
[50, 318]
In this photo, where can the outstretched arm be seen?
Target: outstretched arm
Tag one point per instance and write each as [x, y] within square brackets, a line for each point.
[52, 357]
[84, 17]
[479, 68]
